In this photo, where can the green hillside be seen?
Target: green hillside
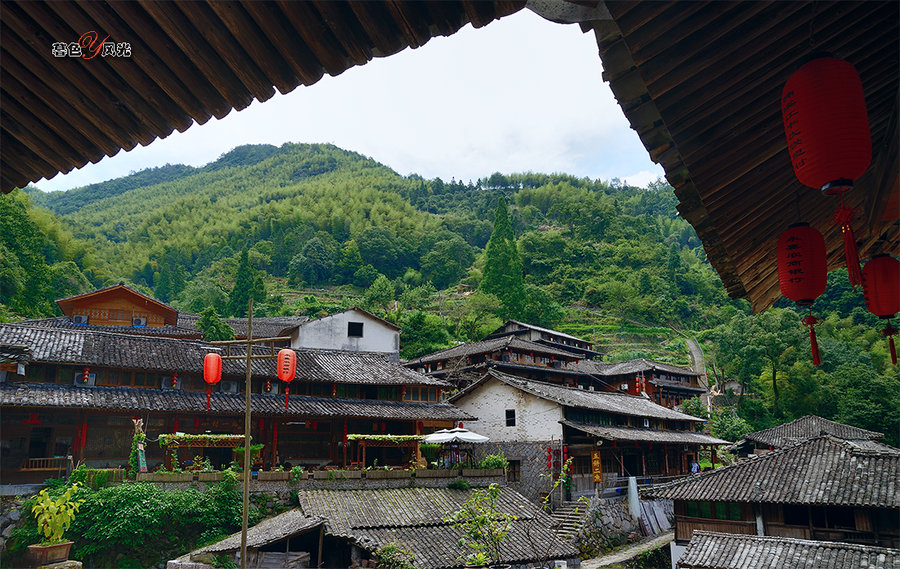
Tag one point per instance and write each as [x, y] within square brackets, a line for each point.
[311, 228]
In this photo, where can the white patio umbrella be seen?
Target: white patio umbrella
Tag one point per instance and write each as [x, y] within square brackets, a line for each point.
[457, 435]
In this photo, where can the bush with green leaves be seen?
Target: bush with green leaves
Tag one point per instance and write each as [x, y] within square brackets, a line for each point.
[484, 526]
[493, 461]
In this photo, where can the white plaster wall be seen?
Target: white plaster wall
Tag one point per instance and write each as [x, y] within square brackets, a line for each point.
[536, 419]
[330, 333]
[676, 551]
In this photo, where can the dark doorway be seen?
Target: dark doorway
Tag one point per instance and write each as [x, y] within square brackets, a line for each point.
[37, 445]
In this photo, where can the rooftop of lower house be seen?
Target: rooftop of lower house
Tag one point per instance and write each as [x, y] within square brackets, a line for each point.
[808, 427]
[711, 550]
[413, 518]
[631, 367]
[821, 471]
[631, 434]
[491, 346]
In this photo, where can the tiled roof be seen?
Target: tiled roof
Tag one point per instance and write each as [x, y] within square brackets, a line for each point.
[491, 346]
[668, 384]
[805, 428]
[605, 369]
[366, 312]
[163, 400]
[267, 531]
[169, 355]
[819, 471]
[65, 323]
[263, 326]
[14, 353]
[527, 326]
[413, 519]
[645, 435]
[617, 403]
[710, 550]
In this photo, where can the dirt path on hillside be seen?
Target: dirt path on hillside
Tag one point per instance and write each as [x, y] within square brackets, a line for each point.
[625, 554]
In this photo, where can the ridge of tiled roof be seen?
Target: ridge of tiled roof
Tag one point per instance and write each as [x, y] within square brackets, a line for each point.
[712, 550]
[263, 326]
[541, 329]
[64, 323]
[486, 346]
[614, 433]
[807, 427]
[15, 353]
[170, 355]
[618, 403]
[166, 400]
[608, 369]
[823, 470]
[413, 518]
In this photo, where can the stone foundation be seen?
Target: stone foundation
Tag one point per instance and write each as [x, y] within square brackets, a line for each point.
[607, 523]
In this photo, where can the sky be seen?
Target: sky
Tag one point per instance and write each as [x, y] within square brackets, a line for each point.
[520, 94]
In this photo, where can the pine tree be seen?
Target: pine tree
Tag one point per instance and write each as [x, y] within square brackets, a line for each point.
[502, 265]
[244, 284]
[213, 328]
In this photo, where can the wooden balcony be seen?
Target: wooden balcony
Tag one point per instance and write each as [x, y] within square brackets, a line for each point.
[56, 463]
[685, 527]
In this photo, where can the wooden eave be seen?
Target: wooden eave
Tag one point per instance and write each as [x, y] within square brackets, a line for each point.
[700, 82]
[190, 61]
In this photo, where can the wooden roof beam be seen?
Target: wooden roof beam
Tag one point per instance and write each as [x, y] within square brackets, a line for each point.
[13, 129]
[295, 52]
[317, 36]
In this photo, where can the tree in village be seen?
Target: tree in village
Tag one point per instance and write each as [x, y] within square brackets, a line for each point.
[502, 274]
[248, 283]
[213, 328]
[380, 295]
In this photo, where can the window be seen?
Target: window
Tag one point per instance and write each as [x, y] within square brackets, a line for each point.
[510, 417]
[795, 515]
[514, 471]
[354, 329]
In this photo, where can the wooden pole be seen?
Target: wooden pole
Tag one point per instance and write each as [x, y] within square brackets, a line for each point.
[321, 538]
[246, 510]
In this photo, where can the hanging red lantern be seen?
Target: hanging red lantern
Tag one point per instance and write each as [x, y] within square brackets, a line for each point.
[286, 369]
[881, 290]
[212, 372]
[824, 111]
[802, 272]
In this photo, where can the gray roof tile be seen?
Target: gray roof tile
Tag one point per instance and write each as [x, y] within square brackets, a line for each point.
[710, 550]
[808, 427]
[616, 403]
[164, 400]
[490, 346]
[413, 518]
[820, 471]
[605, 369]
[647, 435]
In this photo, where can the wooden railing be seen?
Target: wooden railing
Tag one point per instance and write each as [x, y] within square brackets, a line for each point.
[57, 463]
[685, 526]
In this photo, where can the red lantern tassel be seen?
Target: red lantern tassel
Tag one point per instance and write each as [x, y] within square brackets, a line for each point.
[287, 391]
[208, 393]
[889, 331]
[811, 321]
[843, 216]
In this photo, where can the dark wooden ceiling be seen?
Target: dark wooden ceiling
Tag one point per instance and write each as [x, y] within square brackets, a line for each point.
[189, 61]
[701, 84]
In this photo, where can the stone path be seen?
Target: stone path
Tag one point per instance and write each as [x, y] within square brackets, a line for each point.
[625, 554]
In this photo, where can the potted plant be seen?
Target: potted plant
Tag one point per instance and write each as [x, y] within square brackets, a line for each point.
[276, 474]
[490, 465]
[54, 516]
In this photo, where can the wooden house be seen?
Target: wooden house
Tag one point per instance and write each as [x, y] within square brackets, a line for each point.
[824, 489]
[465, 363]
[610, 436]
[540, 335]
[665, 384]
[81, 388]
[798, 430]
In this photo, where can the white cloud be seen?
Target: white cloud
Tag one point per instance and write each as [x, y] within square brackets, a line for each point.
[521, 94]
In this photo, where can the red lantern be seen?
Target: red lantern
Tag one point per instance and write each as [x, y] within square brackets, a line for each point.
[286, 370]
[802, 272]
[212, 372]
[881, 290]
[827, 130]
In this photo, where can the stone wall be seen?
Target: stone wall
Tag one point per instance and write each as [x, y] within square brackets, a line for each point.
[9, 518]
[532, 457]
[607, 523]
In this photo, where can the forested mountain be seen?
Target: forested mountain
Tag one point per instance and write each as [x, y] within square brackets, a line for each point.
[311, 228]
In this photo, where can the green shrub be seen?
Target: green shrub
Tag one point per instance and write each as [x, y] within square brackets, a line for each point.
[494, 461]
[459, 485]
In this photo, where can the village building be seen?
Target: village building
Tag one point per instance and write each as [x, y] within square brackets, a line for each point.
[665, 384]
[70, 389]
[798, 430]
[352, 330]
[610, 436]
[552, 338]
[710, 550]
[465, 363]
[823, 489]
